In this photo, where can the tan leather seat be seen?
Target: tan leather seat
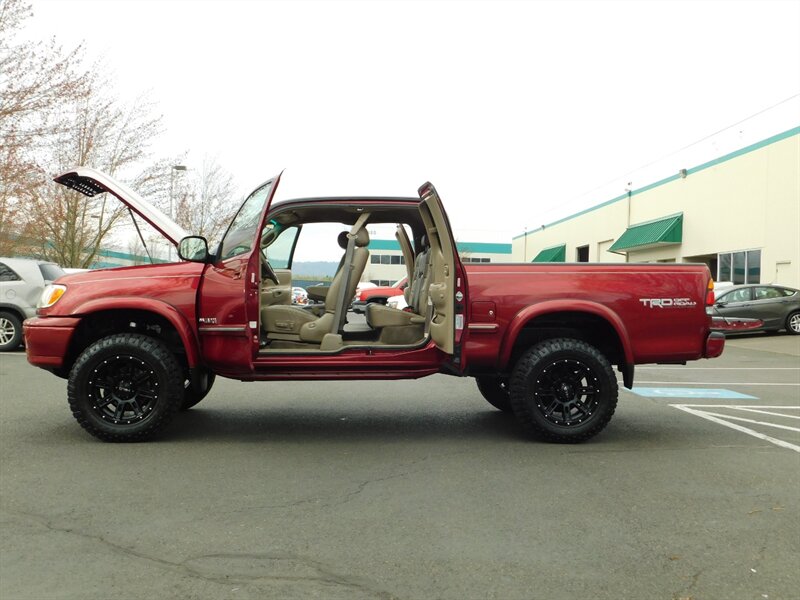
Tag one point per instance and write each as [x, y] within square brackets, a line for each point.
[295, 323]
[380, 316]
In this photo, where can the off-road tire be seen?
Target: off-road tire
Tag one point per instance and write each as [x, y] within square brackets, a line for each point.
[10, 331]
[125, 388]
[793, 323]
[563, 390]
[495, 390]
[191, 396]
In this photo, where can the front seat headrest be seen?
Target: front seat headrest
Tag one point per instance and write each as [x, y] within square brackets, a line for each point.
[362, 238]
[342, 240]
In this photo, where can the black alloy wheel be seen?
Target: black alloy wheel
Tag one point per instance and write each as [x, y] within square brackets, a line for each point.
[563, 390]
[567, 392]
[125, 387]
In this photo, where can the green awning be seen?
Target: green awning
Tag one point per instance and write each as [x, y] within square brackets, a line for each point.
[651, 234]
[553, 254]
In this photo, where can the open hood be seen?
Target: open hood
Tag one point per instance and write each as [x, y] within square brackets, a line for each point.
[91, 182]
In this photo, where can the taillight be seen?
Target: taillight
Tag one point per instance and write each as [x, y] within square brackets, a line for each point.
[710, 293]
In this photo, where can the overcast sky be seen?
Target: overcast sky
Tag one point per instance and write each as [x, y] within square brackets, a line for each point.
[513, 110]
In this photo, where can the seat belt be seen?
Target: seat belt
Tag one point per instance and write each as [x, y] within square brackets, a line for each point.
[341, 310]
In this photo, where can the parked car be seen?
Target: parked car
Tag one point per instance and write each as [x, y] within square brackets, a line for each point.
[22, 281]
[398, 302]
[379, 294]
[777, 306]
[299, 295]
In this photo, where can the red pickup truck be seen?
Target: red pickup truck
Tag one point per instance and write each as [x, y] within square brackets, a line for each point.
[138, 344]
[379, 294]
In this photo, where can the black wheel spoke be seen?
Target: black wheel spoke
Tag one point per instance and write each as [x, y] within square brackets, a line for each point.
[136, 408]
[105, 401]
[551, 408]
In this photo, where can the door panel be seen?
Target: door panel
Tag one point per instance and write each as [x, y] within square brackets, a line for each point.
[229, 296]
[444, 269]
[277, 293]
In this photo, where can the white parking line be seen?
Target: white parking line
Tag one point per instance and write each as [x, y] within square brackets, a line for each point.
[718, 383]
[682, 368]
[764, 412]
[743, 420]
[690, 408]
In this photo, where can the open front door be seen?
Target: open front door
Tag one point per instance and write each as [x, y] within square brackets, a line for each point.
[228, 300]
[447, 285]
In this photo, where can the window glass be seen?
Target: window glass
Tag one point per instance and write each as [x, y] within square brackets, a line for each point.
[765, 293]
[7, 274]
[51, 272]
[396, 259]
[375, 259]
[279, 252]
[785, 292]
[738, 267]
[724, 273]
[386, 259]
[754, 266]
[242, 231]
[742, 295]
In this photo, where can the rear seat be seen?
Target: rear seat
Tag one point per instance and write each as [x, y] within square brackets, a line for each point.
[416, 294]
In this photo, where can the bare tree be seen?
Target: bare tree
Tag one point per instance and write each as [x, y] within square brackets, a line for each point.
[204, 200]
[37, 81]
[66, 226]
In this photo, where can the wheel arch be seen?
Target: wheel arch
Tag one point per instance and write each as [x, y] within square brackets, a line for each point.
[593, 323]
[13, 309]
[149, 317]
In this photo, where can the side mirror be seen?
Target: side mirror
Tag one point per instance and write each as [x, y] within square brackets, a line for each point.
[193, 248]
[721, 303]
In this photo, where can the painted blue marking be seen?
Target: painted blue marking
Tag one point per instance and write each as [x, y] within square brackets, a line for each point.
[677, 392]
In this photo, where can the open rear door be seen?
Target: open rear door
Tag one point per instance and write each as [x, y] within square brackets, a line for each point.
[447, 286]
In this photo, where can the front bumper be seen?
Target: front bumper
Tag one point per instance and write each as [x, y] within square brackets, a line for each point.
[47, 340]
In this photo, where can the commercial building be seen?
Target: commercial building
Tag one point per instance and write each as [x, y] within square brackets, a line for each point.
[386, 264]
[738, 213]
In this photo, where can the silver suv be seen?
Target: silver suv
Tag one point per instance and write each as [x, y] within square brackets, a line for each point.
[21, 283]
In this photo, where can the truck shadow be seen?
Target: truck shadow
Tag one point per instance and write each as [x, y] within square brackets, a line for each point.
[331, 426]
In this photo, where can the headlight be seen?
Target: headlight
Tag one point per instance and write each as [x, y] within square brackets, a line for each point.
[51, 294]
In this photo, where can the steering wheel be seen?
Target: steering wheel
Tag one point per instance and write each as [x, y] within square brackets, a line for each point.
[267, 272]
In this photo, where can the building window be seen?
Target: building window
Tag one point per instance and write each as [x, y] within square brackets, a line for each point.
[582, 254]
[475, 259]
[743, 266]
[387, 259]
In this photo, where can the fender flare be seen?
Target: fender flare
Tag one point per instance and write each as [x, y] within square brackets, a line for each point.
[167, 311]
[533, 311]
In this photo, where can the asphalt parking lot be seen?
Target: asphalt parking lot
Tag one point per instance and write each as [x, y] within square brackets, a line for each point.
[412, 489]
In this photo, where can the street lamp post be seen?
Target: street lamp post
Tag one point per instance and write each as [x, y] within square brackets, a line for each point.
[171, 193]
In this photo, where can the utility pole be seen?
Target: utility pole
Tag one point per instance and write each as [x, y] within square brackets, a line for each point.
[171, 194]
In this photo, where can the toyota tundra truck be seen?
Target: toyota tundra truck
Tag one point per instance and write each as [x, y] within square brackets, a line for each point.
[542, 341]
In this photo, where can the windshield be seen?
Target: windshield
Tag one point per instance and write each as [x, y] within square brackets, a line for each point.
[241, 234]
